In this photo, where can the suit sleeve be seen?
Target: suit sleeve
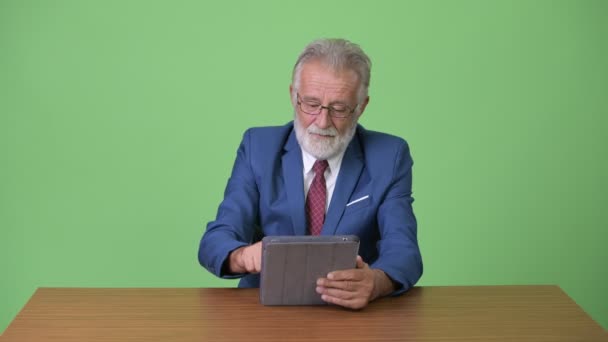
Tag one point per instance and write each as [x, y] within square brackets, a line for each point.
[398, 252]
[236, 218]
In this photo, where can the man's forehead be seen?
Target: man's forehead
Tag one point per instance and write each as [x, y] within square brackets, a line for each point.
[317, 75]
[319, 68]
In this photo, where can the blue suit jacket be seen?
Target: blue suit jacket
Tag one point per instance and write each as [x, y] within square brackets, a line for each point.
[265, 196]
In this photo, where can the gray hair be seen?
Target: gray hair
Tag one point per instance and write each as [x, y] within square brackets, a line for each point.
[339, 54]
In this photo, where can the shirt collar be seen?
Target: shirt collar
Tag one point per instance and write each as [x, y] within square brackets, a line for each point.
[309, 161]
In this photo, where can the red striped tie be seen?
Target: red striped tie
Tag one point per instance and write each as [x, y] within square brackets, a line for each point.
[317, 196]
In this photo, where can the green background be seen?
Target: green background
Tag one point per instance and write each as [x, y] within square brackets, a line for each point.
[119, 122]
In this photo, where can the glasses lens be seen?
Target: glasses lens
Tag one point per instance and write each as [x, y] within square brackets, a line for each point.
[310, 107]
[314, 108]
[339, 112]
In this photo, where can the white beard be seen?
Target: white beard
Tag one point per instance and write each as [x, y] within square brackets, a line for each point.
[323, 148]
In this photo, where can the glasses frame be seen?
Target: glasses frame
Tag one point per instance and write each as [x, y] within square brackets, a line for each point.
[330, 110]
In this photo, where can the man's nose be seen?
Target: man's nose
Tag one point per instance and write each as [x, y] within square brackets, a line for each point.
[323, 119]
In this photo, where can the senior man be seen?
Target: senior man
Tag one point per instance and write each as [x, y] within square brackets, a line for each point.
[322, 174]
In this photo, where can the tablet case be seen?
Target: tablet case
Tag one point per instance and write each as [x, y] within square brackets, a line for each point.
[291, 266]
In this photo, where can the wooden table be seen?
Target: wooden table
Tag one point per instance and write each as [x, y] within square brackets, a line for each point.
[476, 313]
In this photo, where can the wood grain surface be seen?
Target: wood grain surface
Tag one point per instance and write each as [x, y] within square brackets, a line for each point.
[475, 313]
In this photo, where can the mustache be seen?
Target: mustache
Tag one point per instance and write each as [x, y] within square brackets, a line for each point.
[331, 131]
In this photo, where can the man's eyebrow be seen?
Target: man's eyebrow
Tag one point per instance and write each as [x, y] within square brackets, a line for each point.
[339, 102]
[310, 98]
[316, 99]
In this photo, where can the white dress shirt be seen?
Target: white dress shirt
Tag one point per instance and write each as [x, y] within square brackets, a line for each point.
[331, 174]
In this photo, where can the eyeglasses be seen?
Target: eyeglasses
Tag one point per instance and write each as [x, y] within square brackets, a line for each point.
[313, 107]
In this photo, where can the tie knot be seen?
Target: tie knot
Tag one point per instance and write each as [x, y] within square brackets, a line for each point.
[320, 166]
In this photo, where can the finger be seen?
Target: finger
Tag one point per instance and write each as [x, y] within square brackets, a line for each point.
[336, 293]
[251, 265]
[351, 304]
[239, 259]
[345, 285]
[256, 253]
[360, 262]
[257, 263]
[345, 275]
[248, 264]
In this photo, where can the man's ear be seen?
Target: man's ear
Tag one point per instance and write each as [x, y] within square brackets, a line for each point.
[291, 95]
[363, 105]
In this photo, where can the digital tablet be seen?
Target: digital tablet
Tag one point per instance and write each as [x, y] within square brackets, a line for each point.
[291, 266]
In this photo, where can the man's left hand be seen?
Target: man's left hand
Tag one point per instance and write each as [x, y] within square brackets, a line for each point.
[354, 288]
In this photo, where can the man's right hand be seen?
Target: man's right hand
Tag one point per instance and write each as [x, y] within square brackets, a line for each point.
[247, 259]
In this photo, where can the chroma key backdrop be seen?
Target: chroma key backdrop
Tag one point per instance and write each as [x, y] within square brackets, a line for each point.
[120, 121]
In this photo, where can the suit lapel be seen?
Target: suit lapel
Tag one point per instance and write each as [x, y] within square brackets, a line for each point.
[294, 184]
[350, 170]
